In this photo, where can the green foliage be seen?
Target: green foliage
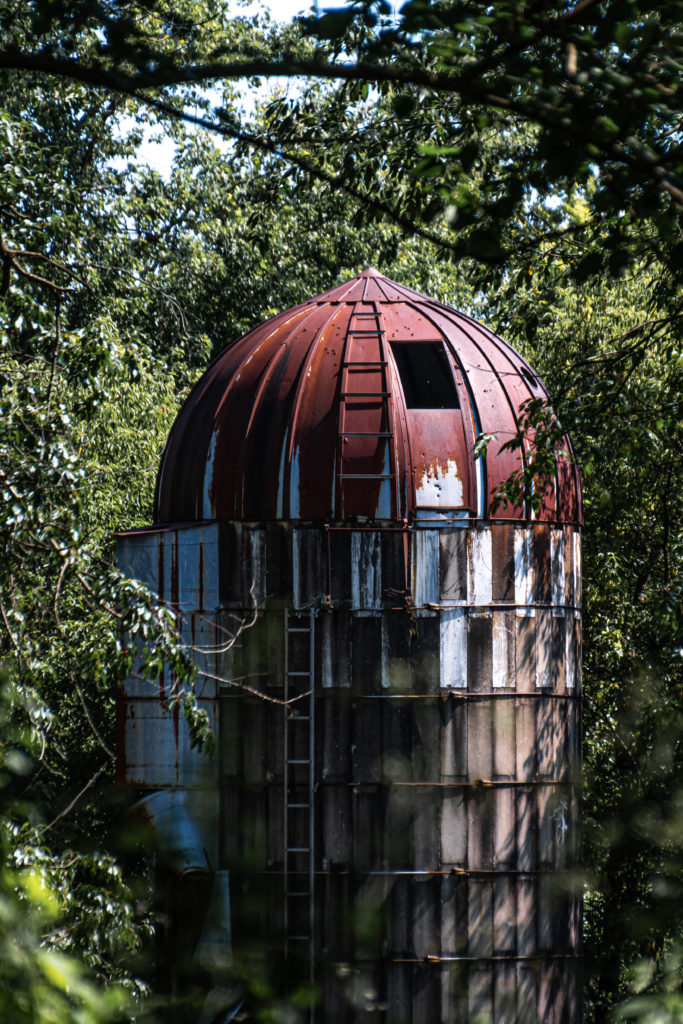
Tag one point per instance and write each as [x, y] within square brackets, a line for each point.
[38, 984]
[521, 162]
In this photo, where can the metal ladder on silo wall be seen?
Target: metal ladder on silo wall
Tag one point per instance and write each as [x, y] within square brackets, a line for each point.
[366, 326]
[299, 789]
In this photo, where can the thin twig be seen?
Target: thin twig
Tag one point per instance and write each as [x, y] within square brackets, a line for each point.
[94, 728]
[75, 800]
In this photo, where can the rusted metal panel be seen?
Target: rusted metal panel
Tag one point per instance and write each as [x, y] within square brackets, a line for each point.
[424, 654]
[425, 567]
[335, 667]
[503, 650]
[544, 648]
[396, 643]
[397, 741]
[527, 1005]
[396, 837]
[576, 566]
[306, 567]
[157, 749]
[366, 570]
[259, 436]
[480, 808]
[425, 828]
[479, 567]
[453, 648]
[438, 481]
[480, 740]
[453, 739]
[504, 930]
[399, 998]
[426, 919]
[504, 740]
[366, 827]
[480, 652]
[542, 563]
[336, 834]
[558, 665]
[504, 828]
[557, 569]
[505, 993]
[453, 829]
[526, 918]
[524, 571]
[525, 652]
[453, 566]
[366, 752]
[480, 924]
[366, 654]
[503, 562]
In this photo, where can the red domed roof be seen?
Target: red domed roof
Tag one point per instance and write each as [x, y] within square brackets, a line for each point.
[361, 403]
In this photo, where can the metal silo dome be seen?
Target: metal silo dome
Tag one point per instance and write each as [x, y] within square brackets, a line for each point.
[361, 403]
[391, 664]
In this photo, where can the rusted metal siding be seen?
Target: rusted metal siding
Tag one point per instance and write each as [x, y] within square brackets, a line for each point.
[153, 743]
[396, 791]
[446, 753]
[305, 418]
[447, 760]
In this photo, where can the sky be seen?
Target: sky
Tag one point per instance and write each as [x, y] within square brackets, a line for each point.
[157, 150]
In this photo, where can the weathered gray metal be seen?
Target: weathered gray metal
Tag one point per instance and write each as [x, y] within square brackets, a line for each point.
[397, 783]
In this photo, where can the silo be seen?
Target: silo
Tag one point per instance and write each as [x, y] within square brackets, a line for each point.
[391, 663]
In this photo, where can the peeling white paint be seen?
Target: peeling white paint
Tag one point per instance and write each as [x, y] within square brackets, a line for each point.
[294, 504]
[281, 483]
[453, 648]
[479, 567]
[425, 567]
[297, 539]
[256, 548]
[544, 649]
[524, 573]
[481, 489]
[577, 569]
[557, 570]
[502, 638]
[440, 487]
[366, 569]
[569, 654]
[383, 510]
[207, 509]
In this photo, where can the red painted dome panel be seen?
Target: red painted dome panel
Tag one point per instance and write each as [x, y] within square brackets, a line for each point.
[362, 403]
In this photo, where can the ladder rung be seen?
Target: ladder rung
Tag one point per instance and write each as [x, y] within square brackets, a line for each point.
[298, 674]
[298, 629]
[367, 476]
[297, 806]
[298, 760]
[299, 938]
[307, 894]
[365, 394]
[353, 330]
[298, 849]
[370, 364]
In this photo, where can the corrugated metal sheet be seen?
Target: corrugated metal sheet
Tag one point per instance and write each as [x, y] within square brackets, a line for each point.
[399, 727]
[306, 418]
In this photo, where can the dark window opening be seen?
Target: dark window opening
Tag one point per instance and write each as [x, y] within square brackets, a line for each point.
[426, 375]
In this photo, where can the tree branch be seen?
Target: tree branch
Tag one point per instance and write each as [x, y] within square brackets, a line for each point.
[470, 89]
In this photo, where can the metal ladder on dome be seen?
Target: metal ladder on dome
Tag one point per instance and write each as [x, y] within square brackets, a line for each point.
[364, 328]
[299, 789]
